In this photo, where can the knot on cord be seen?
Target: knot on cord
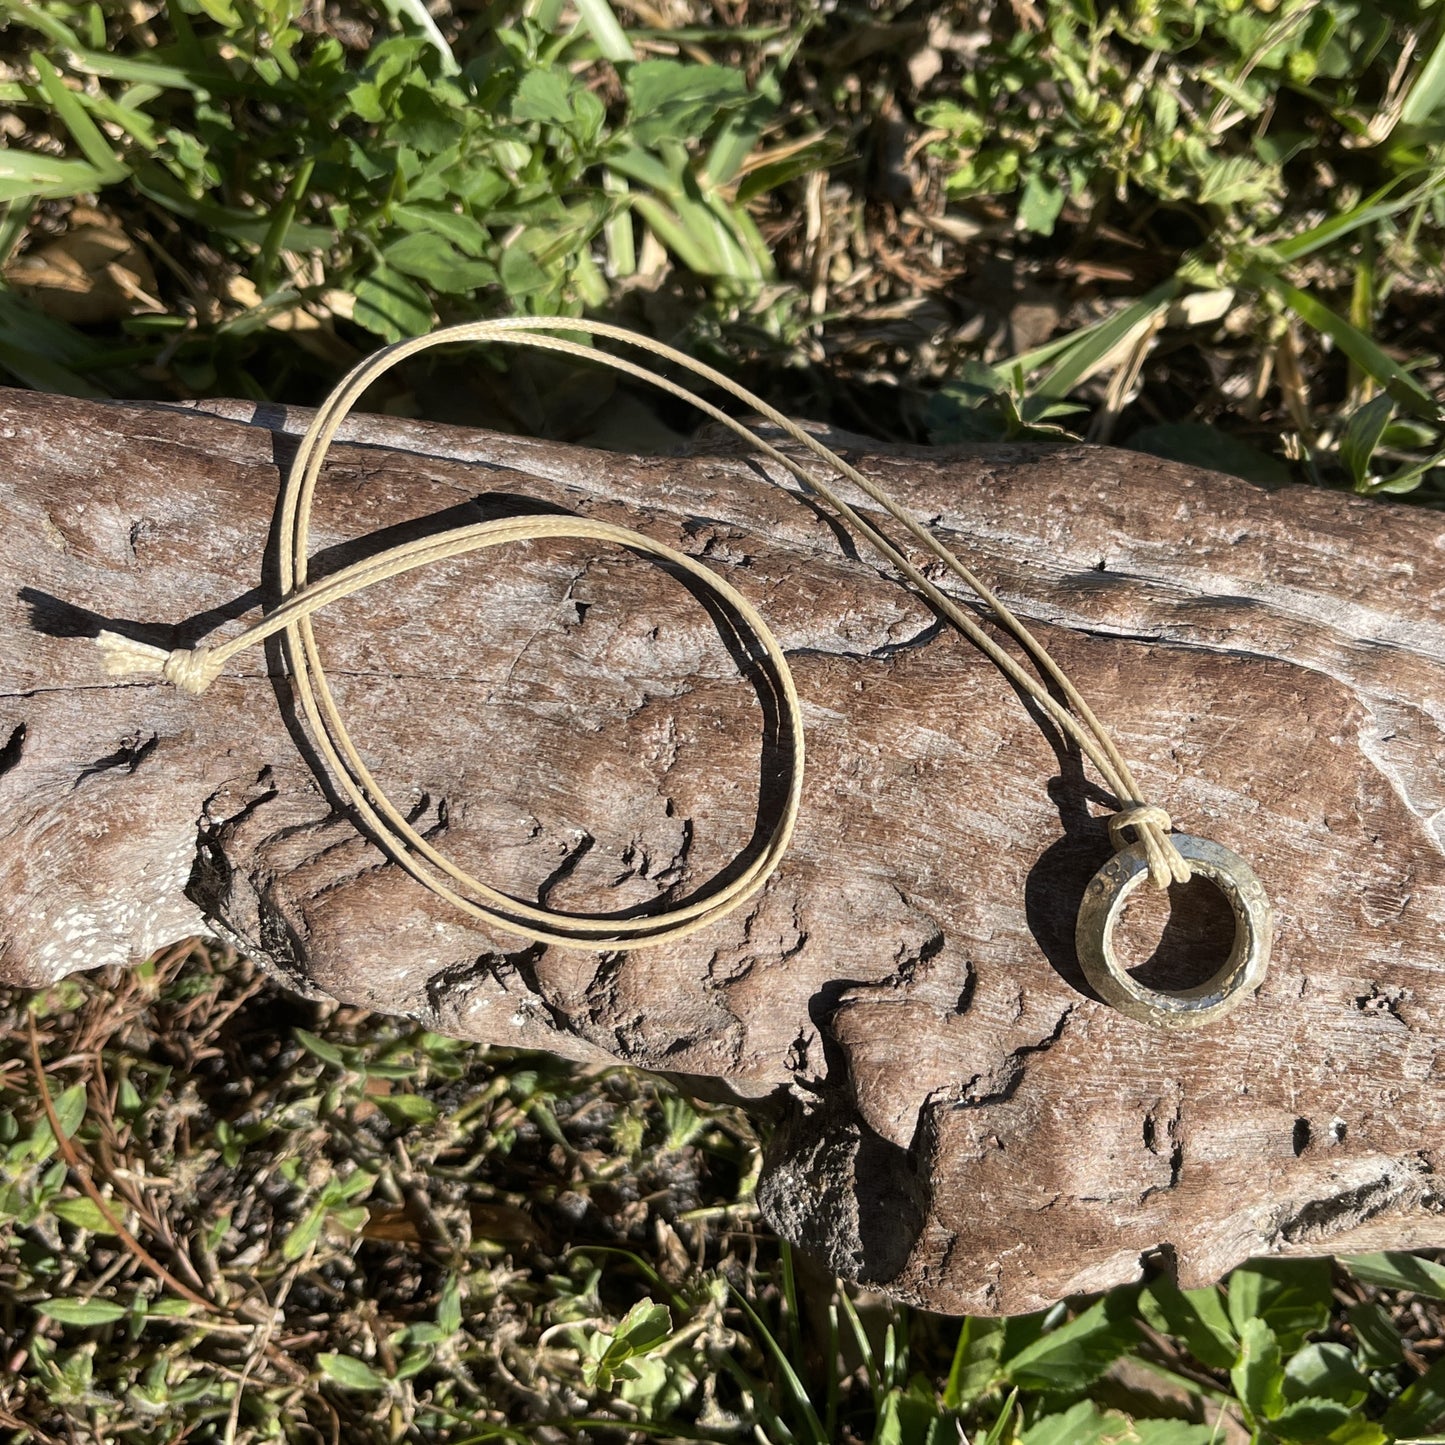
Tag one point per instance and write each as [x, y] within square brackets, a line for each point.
[192, 669]
[1165, 862]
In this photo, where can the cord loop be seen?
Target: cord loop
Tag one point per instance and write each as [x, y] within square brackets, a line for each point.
[1166, 863]
[194, 669]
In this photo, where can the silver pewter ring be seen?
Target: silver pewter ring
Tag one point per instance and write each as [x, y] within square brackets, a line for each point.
[1186, 1008]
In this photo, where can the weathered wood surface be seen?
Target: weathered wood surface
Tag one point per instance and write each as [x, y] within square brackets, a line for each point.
[957, 1120]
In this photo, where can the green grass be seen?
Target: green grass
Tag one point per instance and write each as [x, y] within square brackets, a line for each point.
[272, 1220]
[1230, 213]
[1212, 231]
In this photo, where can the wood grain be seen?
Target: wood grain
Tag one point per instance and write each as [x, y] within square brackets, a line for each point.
[954, 1118]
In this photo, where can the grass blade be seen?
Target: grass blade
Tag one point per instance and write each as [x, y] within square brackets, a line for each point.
[417, 13]
[865, 1349]
[790, 1300]
[1373, 208]
[145, 71]
[84, 131]
[281, 223]
[605, 29]
[1093, 348]
[1427, 94]
[1353, 342]
[43, 374]
[790, 1375]
[25, 175]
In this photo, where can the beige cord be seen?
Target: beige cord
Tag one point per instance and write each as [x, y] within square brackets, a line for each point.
[193, 669]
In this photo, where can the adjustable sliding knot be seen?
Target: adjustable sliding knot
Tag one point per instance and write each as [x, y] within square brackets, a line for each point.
[1166, 864]
[191, 669]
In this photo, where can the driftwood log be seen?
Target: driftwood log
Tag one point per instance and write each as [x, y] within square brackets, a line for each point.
[956, 1120]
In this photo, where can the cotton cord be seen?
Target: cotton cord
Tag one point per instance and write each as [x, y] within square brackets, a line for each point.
[194, 669]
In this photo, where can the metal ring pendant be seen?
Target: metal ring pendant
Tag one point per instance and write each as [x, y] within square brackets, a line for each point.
[1187, 1008]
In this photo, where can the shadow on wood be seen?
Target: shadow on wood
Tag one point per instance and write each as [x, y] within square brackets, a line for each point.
[957, 1120]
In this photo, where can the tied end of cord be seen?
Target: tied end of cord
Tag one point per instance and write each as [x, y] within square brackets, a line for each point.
[192, 669]
[1165, 862]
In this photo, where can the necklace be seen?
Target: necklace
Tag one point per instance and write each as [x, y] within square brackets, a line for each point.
[1155, 851]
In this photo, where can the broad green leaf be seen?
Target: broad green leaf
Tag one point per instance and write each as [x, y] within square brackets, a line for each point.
[1399, 1271]
[82, 1311]
[431, 259]
[1362, 434]
[463, 232]
[520, 274]
[1310, 1421]
[1236, 180]
[645, 1326]
[1201, 445]
[1196, 1317]
[1420, 1408]
[671, 100]
[351, 1373]
[1292, 1296]
[350, 1219]
[340, 1190]
[1358, 1431]
[417, 14]
[975, 1367]
[1256, 1373]
[414, 1362]
[1076, 1354]
[1408, 477]
[223, 12]
[1325, 1372]
[70, 1109]
[391, 305]
[1082, 1424]
[1406, 433]
[1040, 204]
[906, 1416]
[84, 1214]
[449, 1307]
[543, 96]
[1085, 1424]
[1165, 1432]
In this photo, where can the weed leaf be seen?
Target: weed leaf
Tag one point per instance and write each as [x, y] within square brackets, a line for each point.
[82, 1311]
[1399, 1271]
[351, 1373]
